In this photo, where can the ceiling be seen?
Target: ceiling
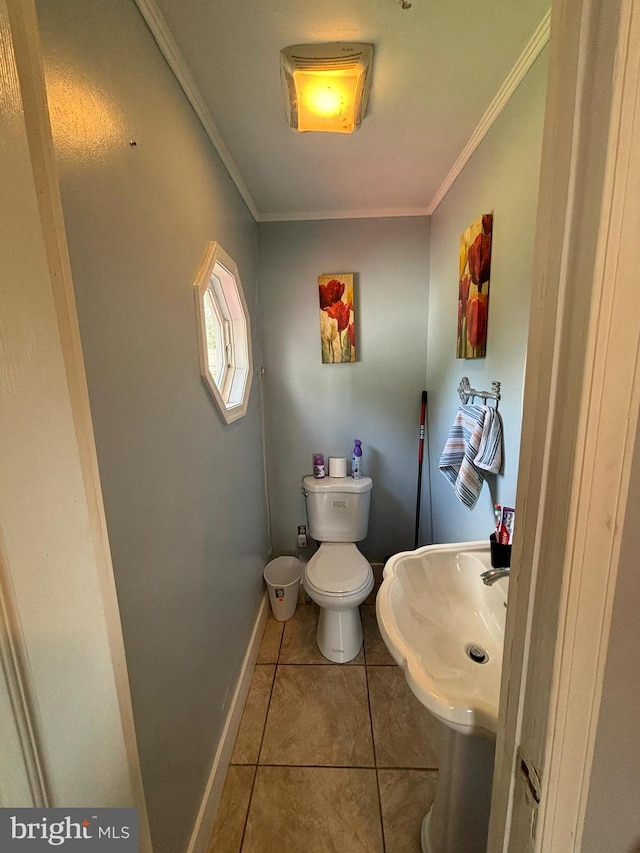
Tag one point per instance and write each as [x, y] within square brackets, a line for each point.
[441, 70]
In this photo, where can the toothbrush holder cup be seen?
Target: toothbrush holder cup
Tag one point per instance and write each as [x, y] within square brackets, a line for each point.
[500, 554]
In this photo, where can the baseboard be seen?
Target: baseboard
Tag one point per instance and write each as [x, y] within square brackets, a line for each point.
[205, 820]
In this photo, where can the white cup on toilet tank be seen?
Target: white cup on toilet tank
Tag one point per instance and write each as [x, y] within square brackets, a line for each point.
[337, 466]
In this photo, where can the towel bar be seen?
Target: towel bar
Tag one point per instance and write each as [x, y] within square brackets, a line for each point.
[466, 392]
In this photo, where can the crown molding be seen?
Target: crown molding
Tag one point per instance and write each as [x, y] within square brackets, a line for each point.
[171, 52]
[517, 74]
[367, 213]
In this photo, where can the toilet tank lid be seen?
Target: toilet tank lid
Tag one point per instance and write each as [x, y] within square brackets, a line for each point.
[337, 484]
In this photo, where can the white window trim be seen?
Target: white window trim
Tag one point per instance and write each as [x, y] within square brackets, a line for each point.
[219, 276]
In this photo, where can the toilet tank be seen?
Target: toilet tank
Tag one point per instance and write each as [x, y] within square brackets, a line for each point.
[337, 508]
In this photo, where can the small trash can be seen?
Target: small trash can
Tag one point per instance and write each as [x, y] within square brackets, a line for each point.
[283, 582]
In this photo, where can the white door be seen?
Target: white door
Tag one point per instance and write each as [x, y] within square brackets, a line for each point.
[67, 726]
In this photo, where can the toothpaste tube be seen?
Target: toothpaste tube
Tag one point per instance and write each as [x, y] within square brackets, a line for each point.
[505, 529]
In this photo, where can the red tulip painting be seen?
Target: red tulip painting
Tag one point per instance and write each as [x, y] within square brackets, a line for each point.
[337, 324]
[473, 288]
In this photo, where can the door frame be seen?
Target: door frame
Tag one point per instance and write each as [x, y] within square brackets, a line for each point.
[43, 563]
[580, 419]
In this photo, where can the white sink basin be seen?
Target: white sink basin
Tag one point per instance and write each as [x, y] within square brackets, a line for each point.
[432, 609]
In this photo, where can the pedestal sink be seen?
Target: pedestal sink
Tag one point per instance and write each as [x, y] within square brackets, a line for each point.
[445, 628]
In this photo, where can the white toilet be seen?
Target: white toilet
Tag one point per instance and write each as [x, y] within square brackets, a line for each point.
[338, 577]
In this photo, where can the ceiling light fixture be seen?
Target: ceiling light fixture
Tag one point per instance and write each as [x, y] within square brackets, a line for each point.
[326, 85]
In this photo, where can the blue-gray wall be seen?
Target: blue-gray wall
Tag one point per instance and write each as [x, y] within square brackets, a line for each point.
[184, 494]
[314, 407]
[501, 178]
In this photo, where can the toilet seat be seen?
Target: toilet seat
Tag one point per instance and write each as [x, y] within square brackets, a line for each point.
[338, 568]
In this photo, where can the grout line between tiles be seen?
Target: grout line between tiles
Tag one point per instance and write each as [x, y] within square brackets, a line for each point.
[246, 817]
[266, 716]
[339, 767]
[264, 726]
[325, 766]
[320, 663]
[375, 758]
[384, 839]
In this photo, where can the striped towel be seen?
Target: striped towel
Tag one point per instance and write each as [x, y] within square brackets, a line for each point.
[474, 446]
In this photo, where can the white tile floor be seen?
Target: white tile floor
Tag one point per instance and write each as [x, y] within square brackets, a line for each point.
[329, 758]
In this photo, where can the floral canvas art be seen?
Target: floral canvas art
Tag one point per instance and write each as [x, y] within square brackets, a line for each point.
[337, 320]
[473, 288]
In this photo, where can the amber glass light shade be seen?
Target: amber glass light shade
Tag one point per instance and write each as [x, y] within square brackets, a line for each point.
[326, 86]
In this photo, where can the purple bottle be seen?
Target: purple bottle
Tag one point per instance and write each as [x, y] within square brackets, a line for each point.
[318, 466]
[356, 460]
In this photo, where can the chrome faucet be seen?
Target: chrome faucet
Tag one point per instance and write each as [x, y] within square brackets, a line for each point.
[492, 575]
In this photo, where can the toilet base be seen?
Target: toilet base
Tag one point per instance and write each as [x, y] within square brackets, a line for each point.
[339, 635]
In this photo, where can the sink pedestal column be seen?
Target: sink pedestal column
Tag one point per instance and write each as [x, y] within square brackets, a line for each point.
[459, 818]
